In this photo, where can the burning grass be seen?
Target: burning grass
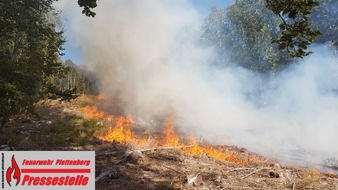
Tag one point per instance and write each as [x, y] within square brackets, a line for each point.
[120, 130]
[92, 113]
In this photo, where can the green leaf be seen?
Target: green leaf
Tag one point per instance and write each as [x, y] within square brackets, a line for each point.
[282, 46]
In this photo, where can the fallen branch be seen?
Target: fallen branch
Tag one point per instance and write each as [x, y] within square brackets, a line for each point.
[149, 149]
[238, 169]
[164, 148]
[119, 161]
[102, 175]
[255, 172]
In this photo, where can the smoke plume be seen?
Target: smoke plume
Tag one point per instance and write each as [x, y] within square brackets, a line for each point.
[148, 53]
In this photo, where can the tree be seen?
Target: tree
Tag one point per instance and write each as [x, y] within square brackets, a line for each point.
[243, 33]
[78, 79]
[296, 30]
[30, 47]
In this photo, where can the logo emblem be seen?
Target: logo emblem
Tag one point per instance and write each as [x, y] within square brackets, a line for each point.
[13, 171]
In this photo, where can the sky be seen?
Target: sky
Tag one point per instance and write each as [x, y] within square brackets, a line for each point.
[73, 52]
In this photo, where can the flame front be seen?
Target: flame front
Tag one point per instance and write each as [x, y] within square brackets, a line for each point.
[119, 127]
[217, 153]
[120, 131]
[172, 139]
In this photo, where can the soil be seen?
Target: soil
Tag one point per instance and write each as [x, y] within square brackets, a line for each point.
[121, 166]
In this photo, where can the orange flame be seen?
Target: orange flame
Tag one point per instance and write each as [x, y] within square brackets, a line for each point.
[219, 153]
[171, 138]
[101, 97]
[119, 127]
[120, 131]
[92, 113]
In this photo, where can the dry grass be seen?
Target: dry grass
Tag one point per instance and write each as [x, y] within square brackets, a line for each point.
[308, 179]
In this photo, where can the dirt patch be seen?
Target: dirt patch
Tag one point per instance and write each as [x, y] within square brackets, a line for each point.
[172, 169]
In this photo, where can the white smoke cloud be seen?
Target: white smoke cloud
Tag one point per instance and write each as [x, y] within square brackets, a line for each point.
[146, 52]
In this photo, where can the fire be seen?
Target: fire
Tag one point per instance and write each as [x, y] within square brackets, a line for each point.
[101, 97]
[120, 130]
[92, 113]
[119, 127]
[171, 138]
[218, 153]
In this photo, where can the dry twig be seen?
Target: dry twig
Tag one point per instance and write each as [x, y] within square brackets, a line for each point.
[164, 148]
[149, 149]
[238, 169]
[102, 175]
[266, 168]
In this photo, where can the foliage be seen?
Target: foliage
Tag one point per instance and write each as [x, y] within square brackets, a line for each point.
[242, 33]
[296, 31]
[87, 6]
[30, 47]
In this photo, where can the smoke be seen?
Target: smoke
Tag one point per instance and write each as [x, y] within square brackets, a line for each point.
[147, 53]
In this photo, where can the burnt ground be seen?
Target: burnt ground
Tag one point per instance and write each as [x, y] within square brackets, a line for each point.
[171, 169]
[121, 166]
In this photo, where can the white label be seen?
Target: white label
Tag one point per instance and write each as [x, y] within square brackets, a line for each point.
[48, 170]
